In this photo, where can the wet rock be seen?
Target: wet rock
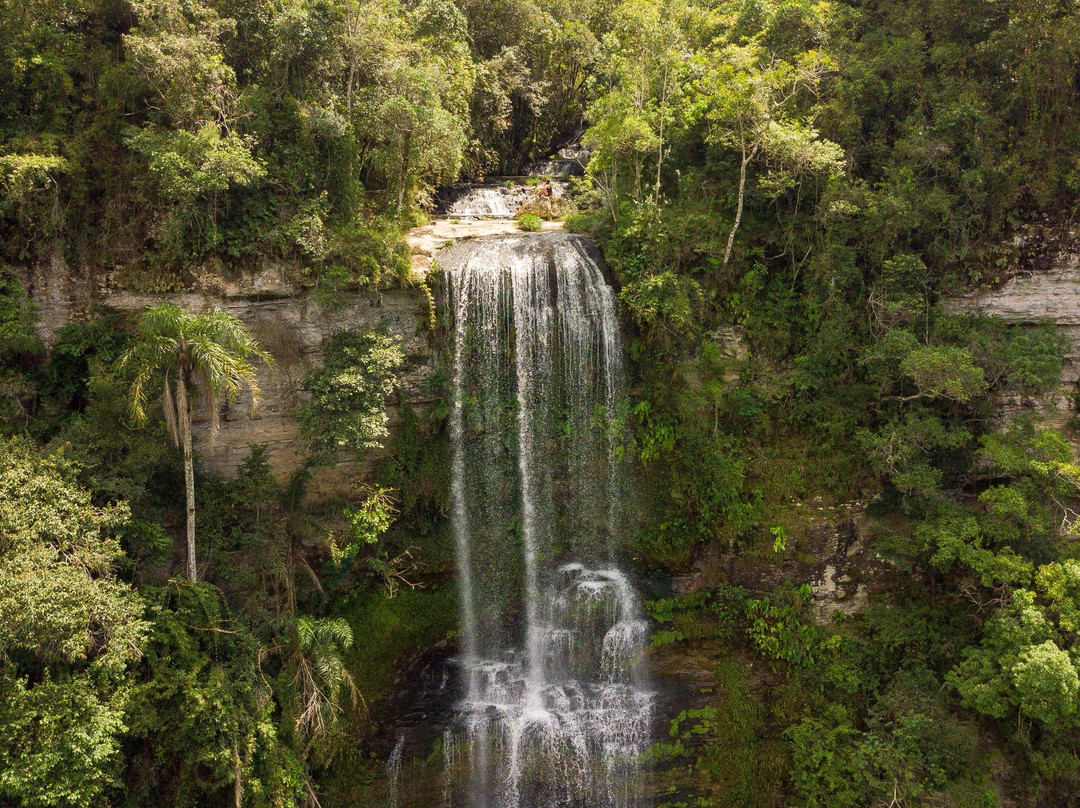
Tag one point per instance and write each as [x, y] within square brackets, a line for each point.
[832, 554]
[548, 207]
[842, 580]
[426, 241]
[567, 162]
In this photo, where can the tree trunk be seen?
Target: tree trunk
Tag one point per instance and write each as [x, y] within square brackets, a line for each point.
[738, 211]
[238, 782]
[613, 191]
[184, 422]
[350, 31]
[189, 490]
[403, 177]
[660, 152]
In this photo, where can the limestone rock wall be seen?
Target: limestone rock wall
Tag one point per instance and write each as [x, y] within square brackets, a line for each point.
[1051, 294]
[289, 322]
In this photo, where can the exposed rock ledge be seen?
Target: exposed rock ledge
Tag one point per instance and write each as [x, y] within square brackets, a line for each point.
[426, 241]
[290, 322]
[1052, 295]
[832, 552]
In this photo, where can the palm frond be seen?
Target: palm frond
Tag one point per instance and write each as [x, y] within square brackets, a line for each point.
[167, 321]
[215, 346]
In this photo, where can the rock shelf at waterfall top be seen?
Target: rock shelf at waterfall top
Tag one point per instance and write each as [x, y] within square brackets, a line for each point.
[426, 241]
[476, 211]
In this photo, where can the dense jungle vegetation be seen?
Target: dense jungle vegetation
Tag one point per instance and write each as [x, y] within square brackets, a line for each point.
[818, 176]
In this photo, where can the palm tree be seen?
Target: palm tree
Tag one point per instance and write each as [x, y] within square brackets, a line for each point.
[195, 354]
[322, 679]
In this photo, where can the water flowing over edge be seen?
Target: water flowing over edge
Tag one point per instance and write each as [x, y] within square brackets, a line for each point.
[565, 719]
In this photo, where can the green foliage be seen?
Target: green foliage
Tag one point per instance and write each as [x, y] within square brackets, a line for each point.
[61, 603]
[945, 372]
[70, 631]
[727, 743]
[830, 765]
[1020, 667]
[156, 137]
[324, 685]
[348, 392]
[19, 347]
[1046, 682]
[113, 460]
[201, 709]
[785, 192]
[777, 631]
[372, 518]
[417, 468]
[23, 176]
[530, 222]
[79, 348]
[59, 741]
[189, 172]
[207, 352]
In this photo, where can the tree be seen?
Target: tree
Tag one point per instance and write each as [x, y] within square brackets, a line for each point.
[645, 64]
[207, 353]
[319, 674]
[193, 153]
[69, 630]
[411, 116]
[347, 404]
[754, 112]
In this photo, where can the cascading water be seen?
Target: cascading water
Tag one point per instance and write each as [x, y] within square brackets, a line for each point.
[393, 772]
[557, 709]
[484, 202]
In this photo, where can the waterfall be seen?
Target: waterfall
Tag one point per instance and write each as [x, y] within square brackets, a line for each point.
[393, 772]
[557, 710]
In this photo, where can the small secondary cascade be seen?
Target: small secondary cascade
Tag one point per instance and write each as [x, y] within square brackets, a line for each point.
[484, 202]
[393, 772]
[557, 710]
[501, 200]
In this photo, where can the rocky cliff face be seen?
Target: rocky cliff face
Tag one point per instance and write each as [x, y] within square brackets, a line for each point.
[288, 321]
[291, 323]
[1049, 292]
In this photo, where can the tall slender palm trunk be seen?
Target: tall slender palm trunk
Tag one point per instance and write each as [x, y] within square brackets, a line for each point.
[189, 490]
[207, 352]
[183, 412]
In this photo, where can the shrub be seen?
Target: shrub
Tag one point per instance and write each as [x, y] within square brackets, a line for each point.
[346, 408]
[530, 222]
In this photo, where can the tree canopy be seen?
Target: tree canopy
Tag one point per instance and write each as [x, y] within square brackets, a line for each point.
[789, 194]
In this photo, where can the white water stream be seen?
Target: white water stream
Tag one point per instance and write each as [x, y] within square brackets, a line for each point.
[557, 709]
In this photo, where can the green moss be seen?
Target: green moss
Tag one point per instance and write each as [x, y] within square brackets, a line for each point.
[748, 763]
[735, 760]
[389, 629]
